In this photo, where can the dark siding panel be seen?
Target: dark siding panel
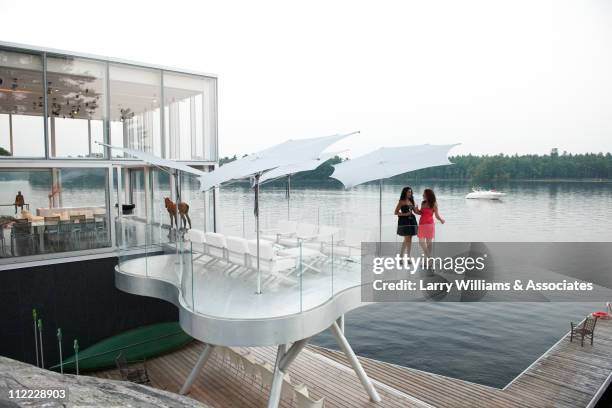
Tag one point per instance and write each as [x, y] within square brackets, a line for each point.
[79, 297]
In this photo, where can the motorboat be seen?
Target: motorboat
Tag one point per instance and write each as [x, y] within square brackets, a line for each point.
[485, 194]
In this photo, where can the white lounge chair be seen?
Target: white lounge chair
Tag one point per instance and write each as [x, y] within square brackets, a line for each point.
[326, 236]
[251, 368]
[306, 258]
[196, 236]
[285, 228]
[301, 388]
[349, 245]
[267, 375]
[238, 252]
[304, 401]
[235, 359]
[198, 241]
[270, 263]
[304, 232]
[216, 246]
[287, 391]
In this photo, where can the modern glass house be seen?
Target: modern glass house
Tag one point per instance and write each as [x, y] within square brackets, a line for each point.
[71, 196]
[60, 188]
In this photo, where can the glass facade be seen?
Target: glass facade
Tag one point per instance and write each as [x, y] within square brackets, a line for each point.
[190, 119]
[21, 105]
[76, 106]
[62, 106]
[56, 109]
[53, 210]
[135, 101]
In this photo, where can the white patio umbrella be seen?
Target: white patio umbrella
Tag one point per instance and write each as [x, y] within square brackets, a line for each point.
[156, 161]
[291, 152]
[387, 162]
[292, 169]
[288, 153]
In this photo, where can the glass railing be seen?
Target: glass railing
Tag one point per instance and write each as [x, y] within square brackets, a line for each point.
[147, 249]
[299, 266]
[242, 222]
[297, 271]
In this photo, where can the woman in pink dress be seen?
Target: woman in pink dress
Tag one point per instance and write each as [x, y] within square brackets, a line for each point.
[426, 231]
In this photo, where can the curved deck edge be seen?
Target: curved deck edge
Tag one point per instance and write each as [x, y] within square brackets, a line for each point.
[244, 332]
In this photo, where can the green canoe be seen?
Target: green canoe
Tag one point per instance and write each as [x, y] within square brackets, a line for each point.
[137, 344]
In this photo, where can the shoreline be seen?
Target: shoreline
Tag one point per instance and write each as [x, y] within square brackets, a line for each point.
[555, 180]
[321, 183]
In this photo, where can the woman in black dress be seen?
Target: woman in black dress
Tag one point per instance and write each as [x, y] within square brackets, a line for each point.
[406, 221]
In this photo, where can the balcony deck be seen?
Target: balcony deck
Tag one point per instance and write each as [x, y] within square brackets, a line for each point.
[233, 296]
[228, 310]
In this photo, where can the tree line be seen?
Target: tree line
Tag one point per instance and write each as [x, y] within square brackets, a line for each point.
[566, 166]
[489, 169]
[470, 168]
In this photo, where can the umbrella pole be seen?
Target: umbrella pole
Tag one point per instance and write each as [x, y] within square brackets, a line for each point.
[257, 176]
[288, 197]
[380, 186]
[177, 182]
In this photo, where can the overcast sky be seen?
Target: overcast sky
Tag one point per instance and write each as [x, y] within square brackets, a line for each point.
[497, 76]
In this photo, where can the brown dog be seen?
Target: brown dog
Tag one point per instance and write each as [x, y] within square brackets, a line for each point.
[183, 212]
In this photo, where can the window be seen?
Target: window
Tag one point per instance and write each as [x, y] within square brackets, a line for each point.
[189, 121]
[76, 107]
[135, 121]
[21, 105]
[83, 187]
[34, 185]
[138, 192]
[53, 210]
[161, 188]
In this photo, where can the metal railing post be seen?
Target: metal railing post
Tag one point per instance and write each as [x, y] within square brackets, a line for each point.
[59, 342]
[76, 355]
[34, 315]
[42, 356]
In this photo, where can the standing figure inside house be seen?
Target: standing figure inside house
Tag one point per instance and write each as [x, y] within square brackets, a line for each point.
[406, 221]
[19, 201]
[427, 232]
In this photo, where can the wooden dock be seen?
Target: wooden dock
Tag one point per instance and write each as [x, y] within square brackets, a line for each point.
[567, 375]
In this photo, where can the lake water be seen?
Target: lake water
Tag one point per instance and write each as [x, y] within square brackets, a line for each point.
[487, 343]
[531, 211]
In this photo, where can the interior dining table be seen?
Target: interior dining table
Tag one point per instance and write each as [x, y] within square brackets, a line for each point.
[38, 227]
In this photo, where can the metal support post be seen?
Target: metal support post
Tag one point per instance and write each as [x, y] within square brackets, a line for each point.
[352, 358]
[206, 353]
